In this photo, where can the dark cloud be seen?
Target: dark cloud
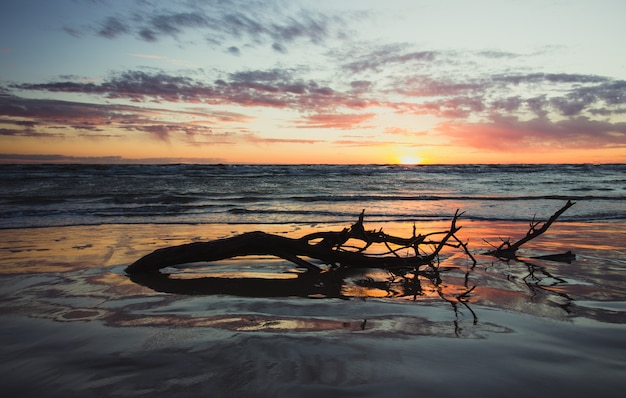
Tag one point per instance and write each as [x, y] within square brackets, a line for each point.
[610, 94]
[361, 86]
[426, 86]
[27, 133]
[444, 96]
[507, 104]
[172, 24]
[267, 88]
[132, 85]
[21, 158]
[234, 50]
[112, 27]
[72, 31]
[387, 56]
[538, 78]
[270, 75]
[38, 117]
[25, 123]
[279, 48]
[497, 54]
[41, 158]
[255, 22]
[148, 35]
[562, 95]
[40, 110]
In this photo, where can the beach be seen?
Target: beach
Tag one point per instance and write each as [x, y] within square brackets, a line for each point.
[259, 199]
[74, 324]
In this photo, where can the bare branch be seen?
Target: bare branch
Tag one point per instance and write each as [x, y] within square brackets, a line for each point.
[508, 249]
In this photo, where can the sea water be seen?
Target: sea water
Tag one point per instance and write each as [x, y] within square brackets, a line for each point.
[61, 195]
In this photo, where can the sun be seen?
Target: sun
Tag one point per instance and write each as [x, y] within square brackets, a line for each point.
[409, 160]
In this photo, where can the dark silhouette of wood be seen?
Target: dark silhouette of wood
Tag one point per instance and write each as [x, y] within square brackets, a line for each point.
[328, 247]
[343, 249]
[508, 250]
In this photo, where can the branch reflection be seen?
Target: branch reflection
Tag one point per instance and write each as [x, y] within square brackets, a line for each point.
[457, 285]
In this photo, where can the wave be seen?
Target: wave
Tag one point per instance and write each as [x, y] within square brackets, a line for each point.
[39, 195]
[377, 198]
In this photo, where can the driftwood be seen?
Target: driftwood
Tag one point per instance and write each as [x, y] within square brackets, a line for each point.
[508, 250]
[336, 249]
[327, 247]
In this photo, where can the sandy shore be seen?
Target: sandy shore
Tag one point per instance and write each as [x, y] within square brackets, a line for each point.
[74, 324]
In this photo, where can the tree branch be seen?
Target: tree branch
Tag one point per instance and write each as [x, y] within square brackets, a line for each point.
[508, 249]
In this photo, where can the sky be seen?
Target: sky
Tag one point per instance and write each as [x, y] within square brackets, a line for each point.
[341, 81]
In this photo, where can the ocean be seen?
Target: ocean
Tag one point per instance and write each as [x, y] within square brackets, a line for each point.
[74, 323]
[63, 195]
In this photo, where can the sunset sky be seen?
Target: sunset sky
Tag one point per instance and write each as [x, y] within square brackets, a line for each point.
[240, 81]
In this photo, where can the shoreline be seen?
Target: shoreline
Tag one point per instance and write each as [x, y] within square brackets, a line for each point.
[74, 324]
[103, 245]
[106, 250]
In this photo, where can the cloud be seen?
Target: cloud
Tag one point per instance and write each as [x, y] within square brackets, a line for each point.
[498, 54]
[513, 134]
[147, 56]
[132, 85]
[494, 102]
[26, 133]
[72, 31]
[404, 132]
[25, 123]
[335, 121]
[57, 158]
[442, 97]
[37, 117]
[256, 139]
[275, 88]
[279, 48]
[388, 56]
[427, 86]
[542, 95]
[254, 22]
[109, 28]
[366, 143]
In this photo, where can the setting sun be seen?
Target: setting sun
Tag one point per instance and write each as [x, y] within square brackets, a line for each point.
[408, 160]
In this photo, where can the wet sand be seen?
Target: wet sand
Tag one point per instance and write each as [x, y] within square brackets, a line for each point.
[73, 324]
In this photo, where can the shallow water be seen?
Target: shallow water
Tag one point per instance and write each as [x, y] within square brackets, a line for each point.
[74, 324]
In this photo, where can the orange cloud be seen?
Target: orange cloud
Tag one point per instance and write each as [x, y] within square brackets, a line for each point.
[512, 134]
[335, 120]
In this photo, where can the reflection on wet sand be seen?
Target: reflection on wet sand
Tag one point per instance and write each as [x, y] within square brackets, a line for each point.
[76, 274]
[540, 284]
[74, 323]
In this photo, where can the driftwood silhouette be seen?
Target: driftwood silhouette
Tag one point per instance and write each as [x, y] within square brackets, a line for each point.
[344, 249]
[328, 247]
[508, 250]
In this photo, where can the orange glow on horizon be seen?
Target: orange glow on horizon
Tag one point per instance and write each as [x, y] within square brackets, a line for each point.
[409, 160]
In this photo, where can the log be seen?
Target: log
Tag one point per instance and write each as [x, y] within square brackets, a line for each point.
[331, 248]
[328, 249]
